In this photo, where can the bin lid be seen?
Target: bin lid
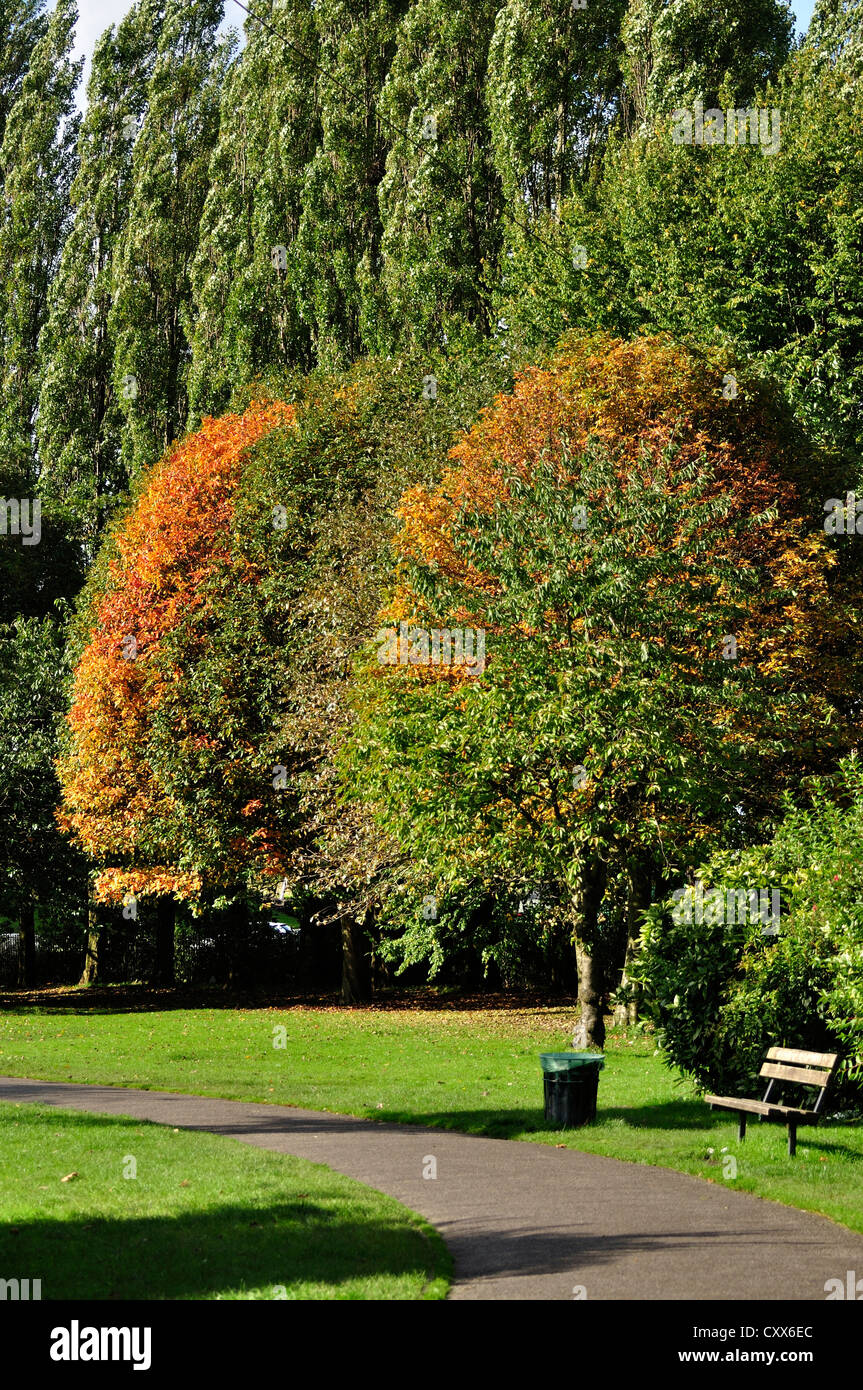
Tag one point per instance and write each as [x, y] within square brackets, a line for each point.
[570, 1061]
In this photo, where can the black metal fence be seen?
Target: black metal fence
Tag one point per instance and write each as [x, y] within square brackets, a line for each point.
[255, 956]
[58, 960]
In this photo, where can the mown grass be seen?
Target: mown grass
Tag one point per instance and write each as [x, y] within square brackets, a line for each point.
[475, 1071]
[148, 1212]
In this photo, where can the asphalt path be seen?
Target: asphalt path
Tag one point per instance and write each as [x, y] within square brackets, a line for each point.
[525, 1220]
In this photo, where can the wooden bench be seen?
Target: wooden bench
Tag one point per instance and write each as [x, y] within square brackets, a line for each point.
[805, 1069]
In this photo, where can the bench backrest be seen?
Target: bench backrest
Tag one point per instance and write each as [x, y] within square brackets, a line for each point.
[801, 1068]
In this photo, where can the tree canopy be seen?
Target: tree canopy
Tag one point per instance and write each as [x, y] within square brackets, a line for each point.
[121, 803]
[662, 645]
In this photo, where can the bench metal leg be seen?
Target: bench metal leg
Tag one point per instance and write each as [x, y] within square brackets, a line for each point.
[792, 1140]
[741, 1128]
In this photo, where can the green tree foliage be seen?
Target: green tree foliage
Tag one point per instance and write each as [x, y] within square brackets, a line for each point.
[761, 251]
[607, 718]
[677, 53]
[725, 244]
[338, 245]
[553, 91]
[247, 310]
[723, 991]
[836, 33]
[362, 437]
[38, 867]
[37, 162]
[440, 196]
[432, 181]
[22, 23]
[80, 417]
[152, 294]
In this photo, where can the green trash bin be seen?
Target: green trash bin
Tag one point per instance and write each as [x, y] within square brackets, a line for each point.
[571, 1081]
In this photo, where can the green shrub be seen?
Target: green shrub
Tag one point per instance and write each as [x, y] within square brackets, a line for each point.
[722, 993]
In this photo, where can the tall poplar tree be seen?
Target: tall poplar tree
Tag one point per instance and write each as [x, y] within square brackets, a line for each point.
[80, 419]
[149, 318]
[553, 87]
[338, 260]
[836, 32]
[675, 54]
[22, 23]
[37, 161]
[246, 308]
[440, 197]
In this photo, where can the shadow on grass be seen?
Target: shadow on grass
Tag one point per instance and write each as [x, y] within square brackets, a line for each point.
[668, 1114]
[503, 1124]
[225, 1248]
[142, 998]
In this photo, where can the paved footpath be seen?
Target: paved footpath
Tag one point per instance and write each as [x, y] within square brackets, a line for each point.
[523, 1220]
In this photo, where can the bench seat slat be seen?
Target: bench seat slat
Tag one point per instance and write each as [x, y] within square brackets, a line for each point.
[812, 1059]
[760, 1107]
[802, 1076]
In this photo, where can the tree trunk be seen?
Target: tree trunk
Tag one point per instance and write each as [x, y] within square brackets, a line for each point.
[91, 974]
[626, 1012]
[382, 975]
[27, 947]
[590, 1029]
[236, 919]
[166, 913]
[638, 899]
[356, 974]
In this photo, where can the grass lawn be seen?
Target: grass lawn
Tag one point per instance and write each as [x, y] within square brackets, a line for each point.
[203, 1217]
[472, 1070]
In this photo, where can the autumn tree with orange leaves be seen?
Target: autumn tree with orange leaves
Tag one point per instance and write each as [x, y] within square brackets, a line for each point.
[215, 649]
[166, 786]
[667, 638]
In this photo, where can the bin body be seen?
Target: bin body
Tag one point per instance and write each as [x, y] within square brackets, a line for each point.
[571, 1083]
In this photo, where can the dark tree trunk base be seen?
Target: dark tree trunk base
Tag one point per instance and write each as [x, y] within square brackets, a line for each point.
[94, 961]
[356, 972]
[166, 914]
[90, 975]
[27, 947]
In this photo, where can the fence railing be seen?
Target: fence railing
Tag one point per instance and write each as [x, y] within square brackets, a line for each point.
[258, 956]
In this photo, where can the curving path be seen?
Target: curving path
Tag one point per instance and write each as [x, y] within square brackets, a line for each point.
[522, 1220]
